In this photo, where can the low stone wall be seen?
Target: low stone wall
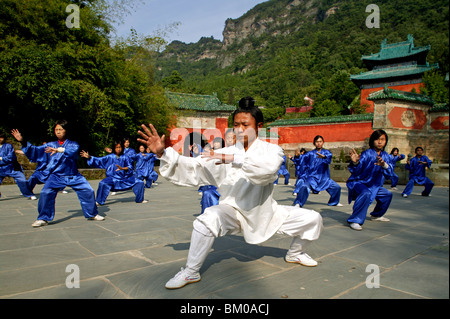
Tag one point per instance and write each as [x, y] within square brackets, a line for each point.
[438, 173]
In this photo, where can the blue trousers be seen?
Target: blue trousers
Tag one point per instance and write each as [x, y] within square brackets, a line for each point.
[21, 182]
[210, 197]
[363, 201]
[394, 180]
[85, 193]
[148, 181]
[36, 178]
[108, 184]
[428, 187]
[303, 189]
[286, 178]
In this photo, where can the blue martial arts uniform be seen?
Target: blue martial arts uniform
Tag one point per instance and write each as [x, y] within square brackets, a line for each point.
[297, 161]
[317, 178]
[417, 175]
[9, 166]
[394, 160]
[116, 180]
[283, 171]
[210, 195]
[366, 185]
[144, 168]
[62, 171]
[40, 174]
[300, 171]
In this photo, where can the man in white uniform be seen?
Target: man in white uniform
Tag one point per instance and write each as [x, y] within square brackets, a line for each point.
[244, 174]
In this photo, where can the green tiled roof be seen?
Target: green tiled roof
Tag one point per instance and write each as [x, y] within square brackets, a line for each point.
[397, 50]
[321, 120]
[398, 71]
[198, 102]
[387, 93]
[440, 107]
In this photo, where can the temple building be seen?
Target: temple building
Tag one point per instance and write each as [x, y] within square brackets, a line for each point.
[399, 66]
[200, 113]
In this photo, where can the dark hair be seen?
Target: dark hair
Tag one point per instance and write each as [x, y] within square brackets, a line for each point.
[220, 140]
[417, 148]
[228, 131]
[65, 125]
[395, 149]
[375, 136]
[302, 150]
[247, 105]
[317, 137]
[114, 147]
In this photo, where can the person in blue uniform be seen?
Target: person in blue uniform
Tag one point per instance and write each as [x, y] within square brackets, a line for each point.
[283, 171]
[395, 157]
[40, 174]
[63, 172]
[368, 173]
[9, 166]
[317, 175]
[416, 167]
[119, 174]
[144, 167]
[127, 150]
[299, 169]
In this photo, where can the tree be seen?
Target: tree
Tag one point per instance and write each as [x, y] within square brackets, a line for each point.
[51, 72]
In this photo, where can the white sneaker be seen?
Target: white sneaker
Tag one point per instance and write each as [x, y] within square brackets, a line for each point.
[404, 195]
[113, 193]
[182, 278]
[302, 259]
[39, 223]
[380, 219]
[394, 188]
[144, 202]
[338, 205]
[32, 197]
[97, 217]
[295, 194]
[355, 226]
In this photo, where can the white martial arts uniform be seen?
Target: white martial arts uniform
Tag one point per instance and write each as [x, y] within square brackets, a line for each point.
[246, 204]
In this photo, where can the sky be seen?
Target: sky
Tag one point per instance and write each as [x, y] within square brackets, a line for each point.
[198, 18]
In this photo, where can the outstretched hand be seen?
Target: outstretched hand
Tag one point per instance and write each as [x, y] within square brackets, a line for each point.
[84, 154]
[152, 140]
[17, 135]
[380, 161]
[222, 158]
[354, 156]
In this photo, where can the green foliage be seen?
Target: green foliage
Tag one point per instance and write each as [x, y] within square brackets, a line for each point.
[435, 87]
[313, 53]
[49, 72]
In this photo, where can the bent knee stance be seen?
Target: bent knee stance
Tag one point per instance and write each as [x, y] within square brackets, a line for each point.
[202, 229]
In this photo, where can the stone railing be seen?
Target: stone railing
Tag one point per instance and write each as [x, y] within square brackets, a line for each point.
[438, 173]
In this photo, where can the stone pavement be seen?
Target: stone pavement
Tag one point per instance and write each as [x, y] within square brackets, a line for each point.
[140, 246]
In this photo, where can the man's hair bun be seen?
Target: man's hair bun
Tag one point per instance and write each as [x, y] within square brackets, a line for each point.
[246, 102]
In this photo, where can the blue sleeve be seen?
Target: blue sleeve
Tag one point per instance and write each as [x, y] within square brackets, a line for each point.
[34, 153]
[8, 154]
[98, 162]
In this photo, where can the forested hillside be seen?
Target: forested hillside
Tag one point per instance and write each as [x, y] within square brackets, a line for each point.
[282, 50]
[50, 71]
